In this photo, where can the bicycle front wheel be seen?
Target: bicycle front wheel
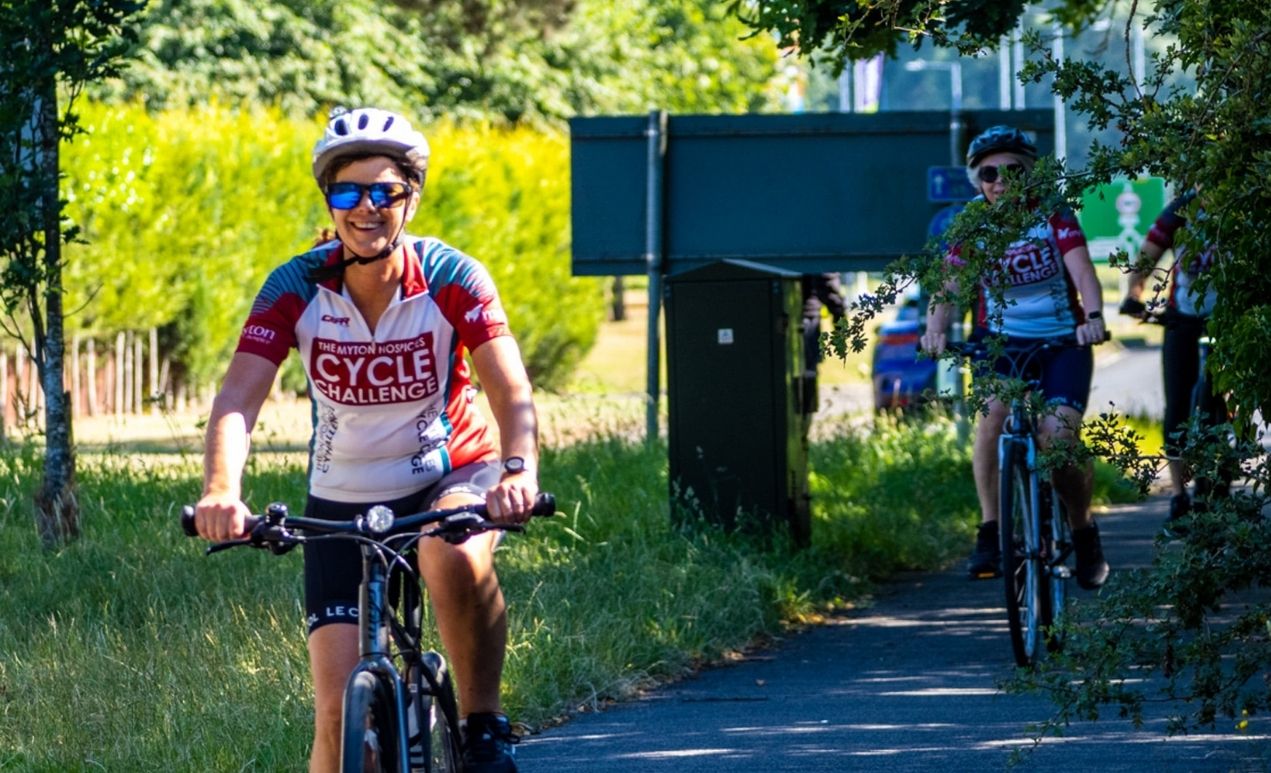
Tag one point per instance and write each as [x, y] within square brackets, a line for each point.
[1060, 547]
[440, 715]
[370, 742]
[1024, 576]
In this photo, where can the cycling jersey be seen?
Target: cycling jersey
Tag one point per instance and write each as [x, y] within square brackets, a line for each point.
[393, 409]
[1183, 297]
[1039, 298]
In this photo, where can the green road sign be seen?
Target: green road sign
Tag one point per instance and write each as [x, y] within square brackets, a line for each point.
[1117, 216]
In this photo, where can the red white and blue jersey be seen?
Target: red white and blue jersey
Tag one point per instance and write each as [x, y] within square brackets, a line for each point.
[1039, 298]
[393, 410]
[1183, 296]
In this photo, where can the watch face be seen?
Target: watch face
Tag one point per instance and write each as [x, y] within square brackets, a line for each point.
[513, 464]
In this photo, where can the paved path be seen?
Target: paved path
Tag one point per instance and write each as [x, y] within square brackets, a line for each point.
[908, 684]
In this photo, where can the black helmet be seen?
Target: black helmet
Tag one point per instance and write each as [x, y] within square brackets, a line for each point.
[999, 139]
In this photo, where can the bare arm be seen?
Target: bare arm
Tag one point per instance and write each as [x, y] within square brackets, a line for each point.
[936, 335]
[1081, 269]
[220, 512]
[506, 384]
[1149, 254]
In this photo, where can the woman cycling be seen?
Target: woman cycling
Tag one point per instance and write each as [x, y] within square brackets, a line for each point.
[1043, 287]
[382, 321]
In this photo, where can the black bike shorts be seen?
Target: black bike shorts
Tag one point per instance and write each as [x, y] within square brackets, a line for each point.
[1064, 372]
[1180, 370]
[333, 568]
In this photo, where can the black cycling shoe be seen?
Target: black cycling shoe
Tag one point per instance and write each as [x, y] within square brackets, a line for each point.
[1092, 570]
[1180, 506]
[487, 744]
[986, 562]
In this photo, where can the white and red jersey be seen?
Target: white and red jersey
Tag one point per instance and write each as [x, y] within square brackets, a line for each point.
[1039, 298]
[1184, 296]
[393, 410]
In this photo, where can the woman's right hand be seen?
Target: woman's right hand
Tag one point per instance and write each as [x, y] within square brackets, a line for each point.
[220, 517]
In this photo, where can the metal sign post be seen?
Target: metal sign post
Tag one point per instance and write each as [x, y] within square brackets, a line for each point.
[656, 136]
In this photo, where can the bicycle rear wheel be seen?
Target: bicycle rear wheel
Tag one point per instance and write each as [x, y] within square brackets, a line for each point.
[1022, 570]
[370, 743]
[440, 714]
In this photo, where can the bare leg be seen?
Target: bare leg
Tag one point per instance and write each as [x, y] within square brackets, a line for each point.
[332, 655]
[471, 614]
[984, 459]
[1073, 483]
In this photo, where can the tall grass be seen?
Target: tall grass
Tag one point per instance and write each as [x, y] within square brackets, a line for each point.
[129, 650]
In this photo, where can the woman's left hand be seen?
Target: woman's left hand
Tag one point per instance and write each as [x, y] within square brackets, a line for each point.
[1092, 332]
[513, 498]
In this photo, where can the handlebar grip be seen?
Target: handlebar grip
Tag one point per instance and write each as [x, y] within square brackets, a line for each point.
[187, 521]
[544, 504]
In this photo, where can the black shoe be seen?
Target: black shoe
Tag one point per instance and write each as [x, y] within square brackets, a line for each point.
[1092, 570]
[986, 562]
[1180, 506]
[487, 744]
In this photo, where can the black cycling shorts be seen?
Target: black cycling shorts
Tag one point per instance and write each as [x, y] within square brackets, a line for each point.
[333, 568]
[1180, 370]
[1064, 372]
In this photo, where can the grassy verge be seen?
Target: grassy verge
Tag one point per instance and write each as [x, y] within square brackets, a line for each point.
[129, 650]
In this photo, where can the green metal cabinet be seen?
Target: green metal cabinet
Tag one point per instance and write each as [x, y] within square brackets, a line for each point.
[737, 451]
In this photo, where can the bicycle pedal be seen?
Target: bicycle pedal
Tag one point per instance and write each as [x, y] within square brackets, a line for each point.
[985, 575]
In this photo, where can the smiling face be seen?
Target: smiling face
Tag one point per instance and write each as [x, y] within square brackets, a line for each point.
[366, 230]
[1000, 161]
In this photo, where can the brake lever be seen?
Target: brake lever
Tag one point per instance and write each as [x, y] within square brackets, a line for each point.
[234, 543]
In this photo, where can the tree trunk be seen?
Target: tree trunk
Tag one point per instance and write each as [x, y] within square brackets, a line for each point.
[92, 377]
[56, 505]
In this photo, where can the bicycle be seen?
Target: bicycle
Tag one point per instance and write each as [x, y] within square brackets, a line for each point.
[1033, 530]
[400, 712]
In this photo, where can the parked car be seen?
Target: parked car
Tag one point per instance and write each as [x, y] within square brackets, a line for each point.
[899, 374]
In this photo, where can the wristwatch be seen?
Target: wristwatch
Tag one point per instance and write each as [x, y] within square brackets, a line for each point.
[1094, 315]
[513, 464]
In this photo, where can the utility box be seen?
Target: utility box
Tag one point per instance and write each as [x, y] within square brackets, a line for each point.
[737, 445]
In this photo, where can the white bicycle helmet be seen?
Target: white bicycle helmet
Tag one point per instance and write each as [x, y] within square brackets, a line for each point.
[369, 130]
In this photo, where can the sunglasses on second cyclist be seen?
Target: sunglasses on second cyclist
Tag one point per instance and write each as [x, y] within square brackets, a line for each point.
[989, 173]
[383, 195]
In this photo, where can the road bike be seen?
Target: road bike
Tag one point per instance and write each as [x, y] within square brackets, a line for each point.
[1033, 529]
[400, 713]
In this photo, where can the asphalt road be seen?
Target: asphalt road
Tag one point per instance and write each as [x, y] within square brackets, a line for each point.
[908, 684]
[1127, 378]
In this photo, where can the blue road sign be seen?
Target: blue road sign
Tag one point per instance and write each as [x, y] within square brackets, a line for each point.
[941, 220]
[948, 183]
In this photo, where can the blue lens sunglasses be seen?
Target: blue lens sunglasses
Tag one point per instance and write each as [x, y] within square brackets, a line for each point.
[383, 195]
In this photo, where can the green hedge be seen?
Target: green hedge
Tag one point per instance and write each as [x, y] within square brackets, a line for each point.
[184, 213]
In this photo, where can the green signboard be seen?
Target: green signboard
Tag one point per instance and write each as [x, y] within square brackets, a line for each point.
[809, 193]
[1117, 216]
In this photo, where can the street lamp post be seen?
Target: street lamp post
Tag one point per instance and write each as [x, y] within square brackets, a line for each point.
[957, 130]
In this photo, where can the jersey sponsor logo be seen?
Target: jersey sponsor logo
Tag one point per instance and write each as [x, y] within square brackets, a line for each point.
[1028, 265]
[341, 321]
[259, 334]
[376, 372]
[484, 314]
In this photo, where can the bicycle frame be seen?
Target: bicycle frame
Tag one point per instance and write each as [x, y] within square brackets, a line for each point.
[1036, 579]
[377, 627]
[1033, 560]
[374, 655]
